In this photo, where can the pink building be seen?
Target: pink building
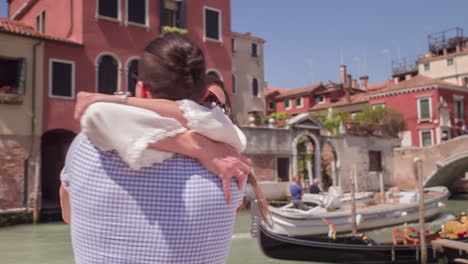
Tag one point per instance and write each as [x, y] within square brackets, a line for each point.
[316, 97]
[434, 110]
[105, 38]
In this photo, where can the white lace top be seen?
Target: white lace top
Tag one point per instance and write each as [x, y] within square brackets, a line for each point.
[129, 130]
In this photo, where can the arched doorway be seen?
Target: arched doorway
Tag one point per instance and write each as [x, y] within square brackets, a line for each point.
[306, 157]
[54, 147]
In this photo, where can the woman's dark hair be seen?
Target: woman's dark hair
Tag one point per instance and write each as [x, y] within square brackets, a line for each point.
[214, 80]
[173, 67]
[211, 79]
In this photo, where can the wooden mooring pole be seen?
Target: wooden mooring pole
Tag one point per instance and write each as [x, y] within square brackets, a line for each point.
[422, 232]
[353, 201]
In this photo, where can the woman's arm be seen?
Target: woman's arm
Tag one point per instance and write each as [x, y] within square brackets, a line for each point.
[166, 108]
[211, 123]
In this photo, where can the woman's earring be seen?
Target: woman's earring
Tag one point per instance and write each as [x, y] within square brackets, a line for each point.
[213, 104]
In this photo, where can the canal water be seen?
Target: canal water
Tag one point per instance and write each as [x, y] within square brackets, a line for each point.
[50, 243]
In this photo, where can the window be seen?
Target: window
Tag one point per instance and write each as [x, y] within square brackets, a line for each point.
[108, 69]
[61, 79]
[287, 104]
[137, 11]
[466, 81]
[459, 114]
[108, 8]
[255, 90]
[212, 24]
[12, 75]
[233, 84]
[375, 160]
[40, 22]
[233, 44]
[320, 99]
[377, 105]
[427, 67]
[299, 102]
[426, 138]
[283, 169]
[172, 13]
[446, 134]
[424, 110]
[254, 50]
[449, 61]
[271, 105]
[132, 73]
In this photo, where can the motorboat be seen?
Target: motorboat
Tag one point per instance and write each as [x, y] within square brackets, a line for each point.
[370, 215]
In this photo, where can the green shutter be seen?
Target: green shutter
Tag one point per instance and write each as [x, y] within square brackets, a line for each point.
[181, 14]
[424, 111]
[21, 75]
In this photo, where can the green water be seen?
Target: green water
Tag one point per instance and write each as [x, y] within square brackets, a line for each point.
[50, 243]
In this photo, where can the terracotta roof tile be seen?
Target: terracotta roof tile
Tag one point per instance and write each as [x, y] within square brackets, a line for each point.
[354, 99]
[18, 28]
[379, 85]
[299, 91]
[275, 90]
[416, 81]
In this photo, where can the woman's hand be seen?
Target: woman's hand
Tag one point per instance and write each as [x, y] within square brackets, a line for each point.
[225, 162]
[219, 158]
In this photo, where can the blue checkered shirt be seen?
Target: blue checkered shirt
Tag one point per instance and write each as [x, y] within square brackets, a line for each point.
[174, 212]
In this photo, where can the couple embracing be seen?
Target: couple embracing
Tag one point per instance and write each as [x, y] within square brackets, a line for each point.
[156, 178]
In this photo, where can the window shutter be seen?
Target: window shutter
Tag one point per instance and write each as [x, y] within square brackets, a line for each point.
[132, 76]
[161, 14]
[21, 75]
[181, 14]
[424, 105]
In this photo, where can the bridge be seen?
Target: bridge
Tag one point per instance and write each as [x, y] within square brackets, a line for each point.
[442, 164]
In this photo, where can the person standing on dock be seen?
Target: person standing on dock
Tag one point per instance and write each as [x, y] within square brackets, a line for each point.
[296, 193]
[315, 187]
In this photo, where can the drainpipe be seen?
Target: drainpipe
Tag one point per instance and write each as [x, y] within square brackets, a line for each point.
[33, 142]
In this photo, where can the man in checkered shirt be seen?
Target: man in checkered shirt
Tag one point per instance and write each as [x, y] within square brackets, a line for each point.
[170, 212]
[174, 212]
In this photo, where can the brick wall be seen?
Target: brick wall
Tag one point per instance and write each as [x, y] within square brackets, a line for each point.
[13, 152]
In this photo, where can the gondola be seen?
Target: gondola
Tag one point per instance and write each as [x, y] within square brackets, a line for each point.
[344, 249]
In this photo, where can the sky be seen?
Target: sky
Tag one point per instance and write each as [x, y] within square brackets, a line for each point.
[307, 40]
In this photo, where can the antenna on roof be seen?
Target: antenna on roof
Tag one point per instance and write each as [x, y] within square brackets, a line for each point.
[341, 56]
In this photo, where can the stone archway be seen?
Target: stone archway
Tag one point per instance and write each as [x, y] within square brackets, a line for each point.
[54, 147]
[317, 168]
[448, 171]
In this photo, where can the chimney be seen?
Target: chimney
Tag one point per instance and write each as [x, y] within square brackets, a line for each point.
[396, 80]
[343, 75]
[407, 76]
[364, 82]
[349, 79]
[463, 82]
[354, 84]
[347, 95]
